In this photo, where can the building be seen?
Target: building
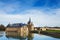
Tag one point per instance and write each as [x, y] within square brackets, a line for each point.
[20, 28]
[30, 25]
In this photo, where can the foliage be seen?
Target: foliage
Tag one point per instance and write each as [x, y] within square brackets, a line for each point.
[2, 28]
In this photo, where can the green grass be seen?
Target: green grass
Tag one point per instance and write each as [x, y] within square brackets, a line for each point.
[52, 33]
[56, 31]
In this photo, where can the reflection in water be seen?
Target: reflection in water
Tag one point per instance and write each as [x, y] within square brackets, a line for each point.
[1, 34]
[16, 35]
[29, 36]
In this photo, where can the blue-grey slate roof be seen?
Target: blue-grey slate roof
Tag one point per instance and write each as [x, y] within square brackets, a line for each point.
[16, 25]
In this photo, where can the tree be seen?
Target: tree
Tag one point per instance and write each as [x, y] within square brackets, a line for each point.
[2, 27]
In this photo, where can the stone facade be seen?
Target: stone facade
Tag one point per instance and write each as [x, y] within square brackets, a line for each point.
[30, 25]
[20, 28]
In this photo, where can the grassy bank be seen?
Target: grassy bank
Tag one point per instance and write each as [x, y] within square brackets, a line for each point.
[53, 33]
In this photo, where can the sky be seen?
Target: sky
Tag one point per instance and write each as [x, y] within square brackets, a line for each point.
[41, 12]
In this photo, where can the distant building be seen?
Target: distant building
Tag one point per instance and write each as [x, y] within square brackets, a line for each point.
[20, 27]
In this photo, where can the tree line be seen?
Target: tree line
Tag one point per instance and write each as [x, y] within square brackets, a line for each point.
[2, 27]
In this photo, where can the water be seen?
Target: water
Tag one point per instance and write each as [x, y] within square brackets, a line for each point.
[30, 36]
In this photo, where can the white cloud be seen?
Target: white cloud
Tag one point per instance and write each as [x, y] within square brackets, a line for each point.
[22, 12]
[39, 18]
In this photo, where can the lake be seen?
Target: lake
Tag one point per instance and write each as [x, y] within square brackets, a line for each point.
[30, 36]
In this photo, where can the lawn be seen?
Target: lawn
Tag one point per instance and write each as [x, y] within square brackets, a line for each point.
[53, 33]
[56, 31]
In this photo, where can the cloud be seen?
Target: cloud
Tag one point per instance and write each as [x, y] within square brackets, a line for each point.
[15, 6]
[39, 18]
[16, 11]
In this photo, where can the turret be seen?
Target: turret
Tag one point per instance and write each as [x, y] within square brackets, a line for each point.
[30, 25]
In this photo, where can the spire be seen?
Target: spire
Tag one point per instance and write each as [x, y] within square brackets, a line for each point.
[9, 22]
[8, 25]
[29, 21]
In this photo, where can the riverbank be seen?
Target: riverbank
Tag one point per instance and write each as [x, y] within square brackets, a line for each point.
[53, 33]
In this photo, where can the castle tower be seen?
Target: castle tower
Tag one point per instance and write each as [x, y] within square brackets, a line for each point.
[30, 25]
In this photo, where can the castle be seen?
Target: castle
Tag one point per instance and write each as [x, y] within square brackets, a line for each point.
[20, 28]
